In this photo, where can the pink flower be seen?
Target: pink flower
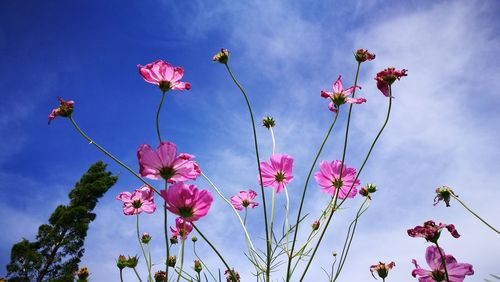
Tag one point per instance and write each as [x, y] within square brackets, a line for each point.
[182, 228]
[387, 77]
[456, 271]
[65, 109]
[362, 55]
[244, 199]
[187, 201]
[278, 172]
[328, 177]
[382, 269]
[431, 231]
[340, 96]
[141, 200]
[164, 75]
[163, 163]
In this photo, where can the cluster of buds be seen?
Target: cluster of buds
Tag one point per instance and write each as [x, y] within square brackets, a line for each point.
[369, 189]
[221, 57]
[382, 269]
[130, 262]
[82, 274]
[444, 194]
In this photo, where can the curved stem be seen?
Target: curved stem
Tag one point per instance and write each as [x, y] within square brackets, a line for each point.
[158, 116]
[443, 262]
[110, 155]
[148, 264]
[475, 214]
[215, 250]
[121, 275]
[268, 241]
[289, 274]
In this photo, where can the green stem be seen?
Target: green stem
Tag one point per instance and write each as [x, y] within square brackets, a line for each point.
[290, 257]
[148, 265]
[271, 222]
[137, 274]
[287, 209]
[121, 275]
[245, 217]
[268, 241]
[443, 261]
[215, 250]
[181, 258]
[165, 229]
[158, 116]
[201, 261]
[110, 155]
[475, 214]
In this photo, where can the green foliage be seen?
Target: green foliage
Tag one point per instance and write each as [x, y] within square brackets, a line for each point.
[58, 248]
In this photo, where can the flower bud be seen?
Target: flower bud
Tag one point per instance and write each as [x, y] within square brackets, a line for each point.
[121, 262]
[174, 240]
[145, 238]
[363, 192]
[194, 239]
[221, 57]
[315, 225]
[268, 122]
[132, 261]
[371, 188]
[83, 274]
[197, 266]
[160, 276]
[171, 261]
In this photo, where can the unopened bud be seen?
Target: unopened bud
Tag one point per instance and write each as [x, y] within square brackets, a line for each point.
[132, 261]
[315, 225]
[268, 122]
[145, 238]
[197, 266]
[371, 188]
[121, 262]
[160, 276]
[83, 274]
[194, 239]
[171, 261]
[221, 57]
[174, 240]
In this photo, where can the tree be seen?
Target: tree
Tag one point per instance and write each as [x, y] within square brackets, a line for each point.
[56, 252]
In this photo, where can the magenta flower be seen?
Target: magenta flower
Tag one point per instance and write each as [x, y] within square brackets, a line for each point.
[456, 271]
[244, 199]
[164, 75]
[363, 55]
[163, 163]
[278, 172]
[340, 96]
[187, 201]
[328, 177]
[431, 231]
[65, 109]
[141, 200]
[182, 228]
[387, 77]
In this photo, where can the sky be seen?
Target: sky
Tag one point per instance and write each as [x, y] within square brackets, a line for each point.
[443, 128]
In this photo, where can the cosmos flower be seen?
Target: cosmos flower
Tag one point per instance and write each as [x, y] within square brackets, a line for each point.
[387, 77]
[382, 269]
[431, 231]
[456, 271]
[328, 177]
[164, 75]
[244, 199]
[182, 228]
[362, 55]
[340, 96]
[278, 172]
[65, 109]
[187, 201]
[141, 200]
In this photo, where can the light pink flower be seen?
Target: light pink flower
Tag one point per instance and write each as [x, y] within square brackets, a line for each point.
[164, 75]
[340, 96]
[65, 109]
[141, 200]
[187, 201]
[456, 271]
[387, 77]
[328, 177]
[182, 228]
[244, 199]
[163, 163]
[431, 231]
[382, 269]
[278, 172]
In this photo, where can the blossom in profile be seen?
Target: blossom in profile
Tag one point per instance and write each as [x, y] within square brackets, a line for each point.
[244, 199]
[141, 200]
[444, 194]
[329, 179]
[165, 163]
[363, 55]
[182, 228]
[431, 231]
[187, 201]
[163, 74]
[456, 271]
[278, 172]
[65, 109]
[382, 269]
[222, 56]
[387, 77]
[340, 96]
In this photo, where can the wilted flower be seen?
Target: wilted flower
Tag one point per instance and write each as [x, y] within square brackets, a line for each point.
[231, 275]
[187, 201]
[83, 274]
[278, 172]
[121, 262]
[145, 238]
[138, 201]
[65, 109]
[182, 228]
[165, 163]
[164, 75]
[456, 271]
[132, 261]
[197, 266]
[340, 96]
[387, 77]
[268, 122]
[431, 231]
[363, 55]
[444, 193]
[160, 276]
[244, 199]
[171, 261]
[328, 177]
[222, 56]
[382, 269]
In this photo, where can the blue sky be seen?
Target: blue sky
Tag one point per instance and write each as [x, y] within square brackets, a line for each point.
[443, 130]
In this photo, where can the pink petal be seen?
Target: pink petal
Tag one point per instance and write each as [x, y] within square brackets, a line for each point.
[337, 85]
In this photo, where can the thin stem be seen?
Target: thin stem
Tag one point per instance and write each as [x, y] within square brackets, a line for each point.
[201, 261]
[245, 217]
[287, 210]
[110, 155]
[137, 274]
[158, 116]
[149, 256]
[273, 140]
[443, 262]
[165, 230]
[475, 214]
[290, 257]
[215, 250]
[271, 222]
[148, 264]
[181, 251]
[268, 241]
[121, 275]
